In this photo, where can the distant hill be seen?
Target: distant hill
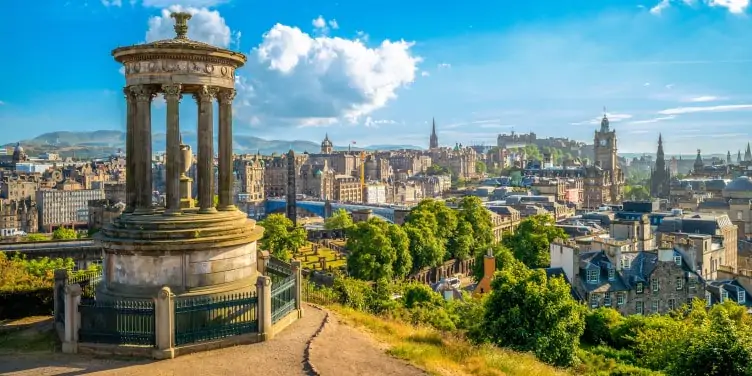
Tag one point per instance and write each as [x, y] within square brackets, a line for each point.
[107, 142]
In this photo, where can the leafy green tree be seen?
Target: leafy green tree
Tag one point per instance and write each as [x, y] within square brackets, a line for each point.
[504, 259]
[472, 212]
[531, 240]
[480, 167]
[435, 169]
[636, 192]
[281, 236]
[340, 219]
[425, 248]
[720, 349]
[429, 226]
[62, 233]
[34, 237]
[527, 311]
[375, 249]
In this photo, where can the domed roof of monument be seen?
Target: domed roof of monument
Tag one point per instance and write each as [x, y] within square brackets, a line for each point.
[19, 148]
[180, 42]
[742, 183]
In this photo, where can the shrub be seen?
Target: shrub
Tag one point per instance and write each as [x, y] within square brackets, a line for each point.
[599, 325]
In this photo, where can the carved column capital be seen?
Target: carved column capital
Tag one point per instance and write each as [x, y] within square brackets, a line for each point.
[226, 96]
[128, 93]
[172, 91]
[143, 93]
[206, 93]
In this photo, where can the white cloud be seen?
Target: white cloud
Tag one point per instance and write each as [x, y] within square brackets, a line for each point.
[669, 86]
[424, 74]
[691, 110]
[646, 84]
[205, 26]
[372, 123]
[733, 6]
[296, 79]
[333, 24]
[612, 118]
[658, 8]
[185, 3]
[653, 120]
[121, 70]
[112, 3]
[703, 98]
[319, 22]
[443, 65]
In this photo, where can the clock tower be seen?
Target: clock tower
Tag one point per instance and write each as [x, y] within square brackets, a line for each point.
[605, 147]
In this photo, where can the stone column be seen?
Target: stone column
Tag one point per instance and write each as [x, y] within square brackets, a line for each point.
[205, 164]
[262, 261]
[164, 311]
[130, 176]
[297, 271]
[264, 307]
[143, 96]
[225, 98]
[72, 318]
[174, 157]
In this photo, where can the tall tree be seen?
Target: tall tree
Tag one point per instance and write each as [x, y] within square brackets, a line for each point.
[531, 240]
[528, 311]
[376, 249]
[340, 219]
[281, 236]
[473, 212]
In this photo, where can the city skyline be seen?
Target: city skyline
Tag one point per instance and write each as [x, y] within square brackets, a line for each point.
[545, 67]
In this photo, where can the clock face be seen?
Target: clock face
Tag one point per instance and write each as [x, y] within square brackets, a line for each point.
[603, 142]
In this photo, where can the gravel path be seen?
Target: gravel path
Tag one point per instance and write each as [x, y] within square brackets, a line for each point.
[337, 350]
[340, 350]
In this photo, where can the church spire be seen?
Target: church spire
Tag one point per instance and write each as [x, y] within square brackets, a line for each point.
[433, 142]
[748, 154]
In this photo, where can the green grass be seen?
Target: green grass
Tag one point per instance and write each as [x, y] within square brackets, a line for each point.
[444, 354]
[30, 340]
[313, 260]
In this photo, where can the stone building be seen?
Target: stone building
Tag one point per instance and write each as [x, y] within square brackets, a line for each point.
[102, 212]
[604, 180]
[460, 161]
[317, 180]
[642, 282]
[66, 205]
[347, 189]
[18, 216]
[736, 201]
[723, 238]
[660, 174]
[250, 173]
[19, 186]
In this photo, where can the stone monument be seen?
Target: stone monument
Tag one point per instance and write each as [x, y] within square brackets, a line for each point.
[199, 251]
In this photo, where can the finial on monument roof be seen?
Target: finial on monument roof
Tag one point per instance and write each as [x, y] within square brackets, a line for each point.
[181, 24]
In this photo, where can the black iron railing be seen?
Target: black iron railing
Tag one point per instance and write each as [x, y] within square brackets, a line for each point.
[117, 322]
[211, 318]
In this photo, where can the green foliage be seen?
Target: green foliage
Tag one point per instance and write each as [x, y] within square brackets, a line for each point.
[20, 274]
[599, 325]
[62, 233]
[636, 192]
[281, 236]
[377, 250]
[531, 240]
[34, 237]
[528, 311]
[435, 169]
[504, 259]
[480, 167]
[340, 219]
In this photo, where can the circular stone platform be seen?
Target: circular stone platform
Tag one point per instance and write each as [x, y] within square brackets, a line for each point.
[193, 254]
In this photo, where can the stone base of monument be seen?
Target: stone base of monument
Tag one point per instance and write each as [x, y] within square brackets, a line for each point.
[193, 254]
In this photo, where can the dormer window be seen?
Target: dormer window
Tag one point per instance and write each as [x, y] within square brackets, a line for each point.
[611, 274]
[677, 260]
[639, 288]
[626, 262]
[593, 276]
[741, 296]
[724, 296]
[655, 285]
[708, 299]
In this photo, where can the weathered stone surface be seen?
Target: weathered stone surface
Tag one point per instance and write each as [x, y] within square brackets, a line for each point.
[146, 271]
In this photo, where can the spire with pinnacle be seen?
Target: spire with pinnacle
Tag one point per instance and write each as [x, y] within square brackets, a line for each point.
[748, 154]
[728, 157]
[739, 156]
[434, 139]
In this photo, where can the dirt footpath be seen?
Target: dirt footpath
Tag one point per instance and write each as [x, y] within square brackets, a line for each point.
[339, 350]
[344, 351]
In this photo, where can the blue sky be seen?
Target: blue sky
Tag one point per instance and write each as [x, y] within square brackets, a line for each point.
[377, 72]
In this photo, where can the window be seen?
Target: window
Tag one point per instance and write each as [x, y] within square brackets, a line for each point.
[639, 288]
[677, 260]
[620, 298]
[594, 300]
[741, 296]
[708, 298]
[654, 306]
[692, 284]
[593, 276]
[611, 274]
[679, 283]
[626, 262]
[724, 296]
[655, 285]
[671, 304]
[690, 300]
[639, 308]
[607, 300]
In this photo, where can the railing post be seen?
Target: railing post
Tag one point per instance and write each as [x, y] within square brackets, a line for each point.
[263, 261]
[264, 306]
[164, 324]
[297, 272]
[72, 318]
[61, 279]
